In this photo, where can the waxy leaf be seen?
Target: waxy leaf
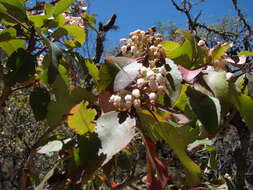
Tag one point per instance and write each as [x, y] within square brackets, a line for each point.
[126, 76]
[174, 84]
[114, 135]
[207, 109]
[52, 146]
[189, 75]
[80, 118]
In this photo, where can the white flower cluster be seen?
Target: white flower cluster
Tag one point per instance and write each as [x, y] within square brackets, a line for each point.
[144, 43]
[72, 20]
[149, 85]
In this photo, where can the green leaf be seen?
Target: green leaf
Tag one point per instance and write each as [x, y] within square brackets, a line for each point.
[244, 104]
[75, 31]
[217, 83]
[62, 6]
[38, 20]
[39, 100]
[13, 11]
[92, 70]
[65, 100]
[49, 9]
[169, 46]
[114, 135]
[12, 45]
[107, 74]
[80, 119]
[21, 65]
[246, 53]
[207, 109]
[174, 84]
[86, 157]
[220, 51]
[172, 135]
[7, 34]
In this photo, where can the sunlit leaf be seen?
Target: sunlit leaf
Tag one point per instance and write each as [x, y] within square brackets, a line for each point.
[92, 70]
[80, 118]
[244, 105]
[220, 51]
[246, 53]
[62, 6]
[7, 34]
[114, 135]
[12, 45]
[12, 11]
[75, 31]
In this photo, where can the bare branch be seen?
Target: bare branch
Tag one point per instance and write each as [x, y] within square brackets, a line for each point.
[103, 28]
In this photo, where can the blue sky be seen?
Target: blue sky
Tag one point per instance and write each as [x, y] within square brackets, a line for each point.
[142, 14]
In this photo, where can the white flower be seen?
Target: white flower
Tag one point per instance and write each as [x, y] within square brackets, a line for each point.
[128, 104]
[160, 78]
[143, 70]
[133, 49]
[140, 82]
[150, 74]
[123, 40]
[128, 97]
[137, 103]
[117, 99]
[124, 49]
[136, 93]
[162, 70]
[201, 43]
[152, 96]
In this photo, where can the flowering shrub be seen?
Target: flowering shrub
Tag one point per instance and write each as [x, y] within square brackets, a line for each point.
[155, 91]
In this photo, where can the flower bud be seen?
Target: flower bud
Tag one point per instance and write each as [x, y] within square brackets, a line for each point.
[153, 85]
[160, 78]
[123, 40]
[117, 99]
[124, 49]
[136, 93]
[137, 103]
[150, 74]
[162, 70]
[140, 82]
[128, 104]
[133, 49]
[152, 96]
[128, 97]
[143, 70]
